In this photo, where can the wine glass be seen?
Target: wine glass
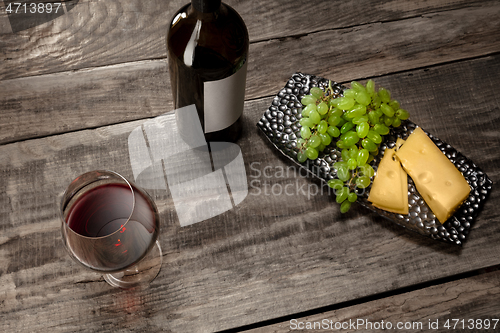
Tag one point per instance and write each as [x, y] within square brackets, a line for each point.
[110, 225]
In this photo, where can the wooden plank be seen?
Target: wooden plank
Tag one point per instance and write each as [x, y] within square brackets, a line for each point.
[380, 48]
[97, 33]
[459, 306]
[272, 256]
[64, 102]
[69, 101]
[5, 27]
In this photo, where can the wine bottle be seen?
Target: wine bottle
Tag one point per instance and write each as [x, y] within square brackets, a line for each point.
[207, 45]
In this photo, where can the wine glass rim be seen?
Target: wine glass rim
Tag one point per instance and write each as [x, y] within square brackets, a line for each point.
[63, 202]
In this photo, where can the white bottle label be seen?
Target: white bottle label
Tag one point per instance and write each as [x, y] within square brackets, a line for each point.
[223, 100]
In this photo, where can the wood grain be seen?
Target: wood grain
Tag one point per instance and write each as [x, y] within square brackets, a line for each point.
[64, 102]
[98, 33]
[423, 310]
[72, 90]
[69, 101]
[273, 255]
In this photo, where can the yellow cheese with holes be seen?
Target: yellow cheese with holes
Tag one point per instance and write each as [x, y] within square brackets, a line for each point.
[439, 182]
[390, 186]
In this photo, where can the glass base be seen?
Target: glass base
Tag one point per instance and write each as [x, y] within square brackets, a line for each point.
[143, 273]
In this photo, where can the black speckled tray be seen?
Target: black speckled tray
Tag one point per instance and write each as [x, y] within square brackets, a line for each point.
[280, 124]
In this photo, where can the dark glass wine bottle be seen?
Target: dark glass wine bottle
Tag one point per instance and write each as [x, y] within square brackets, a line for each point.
[207, 45]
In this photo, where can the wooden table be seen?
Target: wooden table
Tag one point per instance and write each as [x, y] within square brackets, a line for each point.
[73, 89]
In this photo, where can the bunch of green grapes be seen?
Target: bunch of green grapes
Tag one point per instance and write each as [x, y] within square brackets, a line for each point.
[358, 120]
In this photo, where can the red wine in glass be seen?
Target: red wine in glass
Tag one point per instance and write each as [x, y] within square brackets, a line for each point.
[110, 225]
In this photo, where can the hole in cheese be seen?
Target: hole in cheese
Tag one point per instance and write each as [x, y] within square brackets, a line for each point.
[425, 177]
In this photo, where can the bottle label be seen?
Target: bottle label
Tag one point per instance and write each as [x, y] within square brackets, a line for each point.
[223, 100]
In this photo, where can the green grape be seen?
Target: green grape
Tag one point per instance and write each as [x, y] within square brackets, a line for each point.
[362, 156]
[345, 154]
[306, 121]
[368, 144]
[337, 112]
[321, 147]
[301, 156]
[362, 130]
[384, 94]
[350, 93]
[345, 103]
[305, 132]
[352, 197]
[343, 173]
[374, 152]
[334, 120]
[402, 114]
[335, 183]
[360, 119]
[387, 121]
[322, 108]
[363, 98]
[352, 164]
[326, 139]
[311, 153]
[374, 136]
[317, 92]
[370, 159]
[356, 111]
[345, 206]
[333, 131]
[342, 194]
[370, 87]
[308, 99]
[307, 110]
[363, 182]
[346, 127]
[396, 122]
[314, 116]
[342, 137]
[367, 170]
[350, 139]
[300, 141]
[340, 164]
[322, 126]
[314, 141]
[387, 110]
[342, 122]
[353, 152]
[394, 104]
[379, 112]
[357, 86]
[376, 101]
[349, 115]
[381, 129]
[344, 118]
[340, 144]
[373, 118]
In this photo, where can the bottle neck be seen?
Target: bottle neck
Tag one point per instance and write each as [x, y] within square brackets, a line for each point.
[206, 6]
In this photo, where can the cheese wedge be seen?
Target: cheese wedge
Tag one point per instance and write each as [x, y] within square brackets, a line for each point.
[390, 186]
[439, 182]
